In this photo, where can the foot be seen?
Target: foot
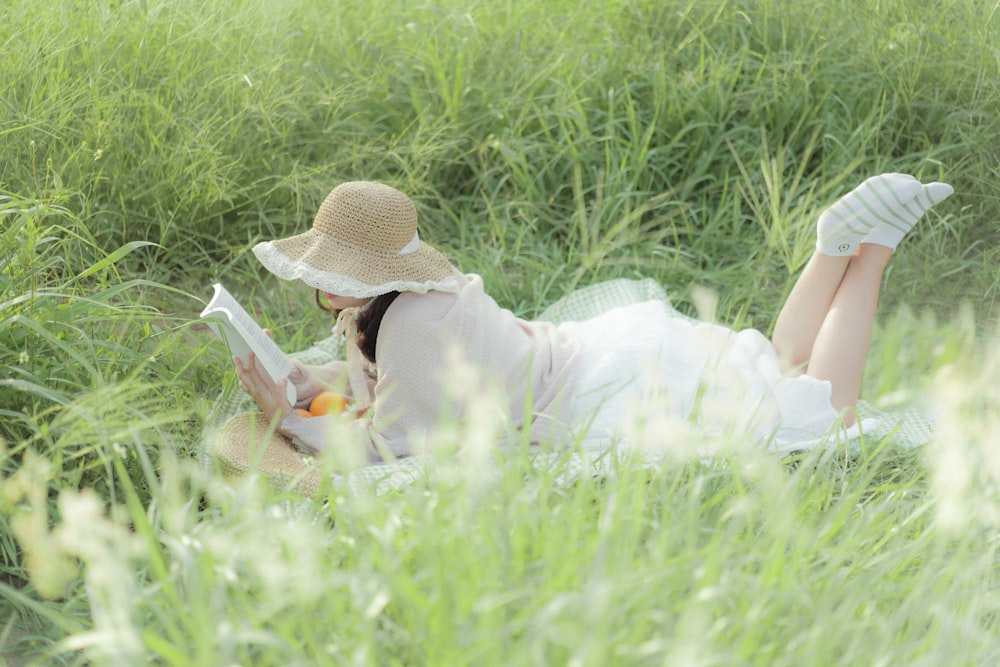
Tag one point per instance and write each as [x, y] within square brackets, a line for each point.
[875, 203]
[892, 231]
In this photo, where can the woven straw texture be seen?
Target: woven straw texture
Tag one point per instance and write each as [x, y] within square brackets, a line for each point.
[283, 465]
[361, 244]
[906, 429]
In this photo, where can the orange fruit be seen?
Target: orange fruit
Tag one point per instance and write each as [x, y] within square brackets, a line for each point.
[302, 413]
[326, 402]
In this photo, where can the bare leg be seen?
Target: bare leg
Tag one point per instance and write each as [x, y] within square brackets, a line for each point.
[841, 345]
[881, 202]
[825, 325]
[806, 307]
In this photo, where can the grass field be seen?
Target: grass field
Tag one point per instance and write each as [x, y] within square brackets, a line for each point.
[144, 148]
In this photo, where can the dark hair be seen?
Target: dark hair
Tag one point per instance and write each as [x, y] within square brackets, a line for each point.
[369, 321]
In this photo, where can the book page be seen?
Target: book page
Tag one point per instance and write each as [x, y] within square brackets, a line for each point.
[243, 335]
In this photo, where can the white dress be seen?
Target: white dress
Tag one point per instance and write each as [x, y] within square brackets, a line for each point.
[652, 376]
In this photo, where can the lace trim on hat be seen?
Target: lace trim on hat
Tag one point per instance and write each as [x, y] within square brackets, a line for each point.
[288, 269]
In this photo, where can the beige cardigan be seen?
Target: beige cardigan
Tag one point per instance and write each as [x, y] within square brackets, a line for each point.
[416, 382]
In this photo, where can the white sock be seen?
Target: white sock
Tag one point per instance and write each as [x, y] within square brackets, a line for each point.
[892, 231]
[852, 218]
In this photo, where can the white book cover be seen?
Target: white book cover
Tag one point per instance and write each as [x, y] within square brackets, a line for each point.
[233, 324]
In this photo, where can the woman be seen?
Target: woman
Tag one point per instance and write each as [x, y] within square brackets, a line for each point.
[412, 322]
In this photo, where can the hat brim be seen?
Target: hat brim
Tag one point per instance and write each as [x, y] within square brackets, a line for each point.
[337, 268]
[247, 442]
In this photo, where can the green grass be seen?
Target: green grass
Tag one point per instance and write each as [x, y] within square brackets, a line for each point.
[549, 145]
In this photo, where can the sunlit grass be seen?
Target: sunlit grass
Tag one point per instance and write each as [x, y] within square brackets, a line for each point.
[549, 145]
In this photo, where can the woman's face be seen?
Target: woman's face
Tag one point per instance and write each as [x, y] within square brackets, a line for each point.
[341, 302]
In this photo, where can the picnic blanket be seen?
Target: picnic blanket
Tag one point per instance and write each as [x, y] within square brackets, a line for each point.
[907, 428]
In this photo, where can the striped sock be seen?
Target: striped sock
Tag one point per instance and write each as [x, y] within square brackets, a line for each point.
[853, 217]
[892, 231]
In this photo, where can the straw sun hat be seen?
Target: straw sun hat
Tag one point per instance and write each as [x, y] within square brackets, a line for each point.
[247, 442]
[363, 243]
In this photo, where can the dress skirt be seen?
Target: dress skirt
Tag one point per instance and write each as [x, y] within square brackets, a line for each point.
[651, 375]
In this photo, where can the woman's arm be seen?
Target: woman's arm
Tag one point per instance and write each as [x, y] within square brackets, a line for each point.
[313, 433]
[310, 380]
[269, 395]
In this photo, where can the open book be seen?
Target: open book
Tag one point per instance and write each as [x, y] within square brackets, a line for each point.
[231, 322]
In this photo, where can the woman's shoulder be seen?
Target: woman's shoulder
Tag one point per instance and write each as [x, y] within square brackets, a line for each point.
[465, 313]
[434, 306]
[414, 323]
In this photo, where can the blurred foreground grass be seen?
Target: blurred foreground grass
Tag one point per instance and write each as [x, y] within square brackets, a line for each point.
[146, 146]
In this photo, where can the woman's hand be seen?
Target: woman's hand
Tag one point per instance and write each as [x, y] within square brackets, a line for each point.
[311, 380]
[307, 382]
[270, 396]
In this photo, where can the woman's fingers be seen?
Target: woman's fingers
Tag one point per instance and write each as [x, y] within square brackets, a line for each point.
[281, 396]
[269, 395]
[242, 375]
